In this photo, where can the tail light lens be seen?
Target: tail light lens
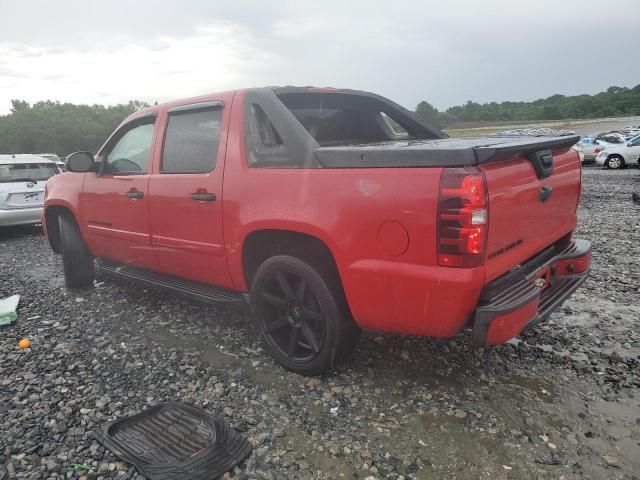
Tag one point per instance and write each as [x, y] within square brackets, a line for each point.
[462, 218]
[597, 150]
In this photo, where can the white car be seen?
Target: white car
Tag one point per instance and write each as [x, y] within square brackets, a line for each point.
[55, 158]
[22, 179]
[590, 147]
[620, 156]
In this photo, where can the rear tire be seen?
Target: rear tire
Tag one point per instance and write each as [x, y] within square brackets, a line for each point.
[300, 312]
[79, 269]
[614, 162]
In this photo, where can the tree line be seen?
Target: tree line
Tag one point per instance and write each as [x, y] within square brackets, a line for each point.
[613, 102]
[62, 128]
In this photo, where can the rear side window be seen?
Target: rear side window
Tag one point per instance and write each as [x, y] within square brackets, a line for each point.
[396, 130]
[265, 145]
[191, 142]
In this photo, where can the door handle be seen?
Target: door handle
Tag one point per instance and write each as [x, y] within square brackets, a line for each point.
[134, 194]
[203, 197]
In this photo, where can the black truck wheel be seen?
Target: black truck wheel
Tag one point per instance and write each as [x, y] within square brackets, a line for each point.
[77, 261]
[301, 315]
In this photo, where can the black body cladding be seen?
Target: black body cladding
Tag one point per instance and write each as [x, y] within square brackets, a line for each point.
[426, 147]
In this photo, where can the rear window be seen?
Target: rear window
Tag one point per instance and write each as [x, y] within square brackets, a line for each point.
[346, 119]
[24, 172]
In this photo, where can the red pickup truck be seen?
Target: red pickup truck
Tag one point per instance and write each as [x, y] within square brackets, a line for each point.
[329, 211]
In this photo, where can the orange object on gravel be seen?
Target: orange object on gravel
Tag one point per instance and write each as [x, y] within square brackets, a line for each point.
[24, 343]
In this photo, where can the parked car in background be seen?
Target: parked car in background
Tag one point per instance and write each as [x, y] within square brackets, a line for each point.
[631, 130]
[328, 211]
[630, 135]
[590, 147]
[22, 179]
[55, 158]
[586, 147]
[620, 156]
[614, 138]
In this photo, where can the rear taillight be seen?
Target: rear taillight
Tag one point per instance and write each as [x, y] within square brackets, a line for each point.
[597, 150]
[462, 218]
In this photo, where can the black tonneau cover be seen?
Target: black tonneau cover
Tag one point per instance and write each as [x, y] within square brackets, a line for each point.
[443, 152]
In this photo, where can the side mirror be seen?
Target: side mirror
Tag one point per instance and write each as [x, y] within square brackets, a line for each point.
[81, 162]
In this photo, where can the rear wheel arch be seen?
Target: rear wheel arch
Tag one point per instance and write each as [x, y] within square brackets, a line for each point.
[261, 245]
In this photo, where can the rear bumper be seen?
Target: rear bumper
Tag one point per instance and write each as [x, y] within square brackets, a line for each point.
[529, 294]
[21, 216]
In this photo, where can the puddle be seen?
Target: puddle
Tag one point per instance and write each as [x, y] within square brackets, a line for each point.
[217, 357]
[541, 389]
[621, 420]
[208, 353]
[301, 443]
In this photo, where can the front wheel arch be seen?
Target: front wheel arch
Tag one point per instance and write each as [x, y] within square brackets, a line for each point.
[52, 219]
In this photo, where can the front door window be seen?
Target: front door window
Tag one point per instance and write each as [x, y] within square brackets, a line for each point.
[130, 153]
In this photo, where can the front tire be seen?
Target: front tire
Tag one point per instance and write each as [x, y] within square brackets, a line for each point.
[77, 261]
[614, 162]
[301, 315]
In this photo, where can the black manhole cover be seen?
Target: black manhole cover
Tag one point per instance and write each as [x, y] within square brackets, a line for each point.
[176, 441]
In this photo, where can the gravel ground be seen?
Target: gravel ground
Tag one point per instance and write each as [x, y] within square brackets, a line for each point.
[560, 402]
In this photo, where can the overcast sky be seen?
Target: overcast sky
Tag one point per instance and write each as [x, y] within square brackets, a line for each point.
[445, 52]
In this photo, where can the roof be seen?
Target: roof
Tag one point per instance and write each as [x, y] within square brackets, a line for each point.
[23, 158]
[230, 93]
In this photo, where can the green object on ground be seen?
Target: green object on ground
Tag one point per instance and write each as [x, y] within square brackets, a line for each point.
[8, 308]
[81, 466]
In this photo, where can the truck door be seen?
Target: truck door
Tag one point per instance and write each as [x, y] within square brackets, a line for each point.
[185, 192]
[114, 202]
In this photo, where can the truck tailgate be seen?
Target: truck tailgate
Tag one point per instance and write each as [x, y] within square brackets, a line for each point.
[528, 213]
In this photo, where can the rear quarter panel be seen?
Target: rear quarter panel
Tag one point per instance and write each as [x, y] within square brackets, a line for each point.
[345, 208]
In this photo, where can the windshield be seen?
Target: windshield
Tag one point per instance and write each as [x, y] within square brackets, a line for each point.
[36, 172]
